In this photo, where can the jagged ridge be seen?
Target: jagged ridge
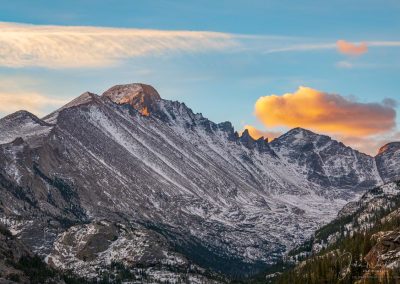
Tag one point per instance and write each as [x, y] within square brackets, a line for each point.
[229, 203]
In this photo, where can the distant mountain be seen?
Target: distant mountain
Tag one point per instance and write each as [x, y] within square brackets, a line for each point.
[131, 179]
[325, 161]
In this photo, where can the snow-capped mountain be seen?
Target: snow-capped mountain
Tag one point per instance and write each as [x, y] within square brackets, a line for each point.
[130, 158]
[325, 161]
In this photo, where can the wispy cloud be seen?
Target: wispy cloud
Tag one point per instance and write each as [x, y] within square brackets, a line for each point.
[300, 46]
[384, 43]
[371, 144]
[20, 92]
[23, 45]
[33, 102]
[345, 64]
[66, 46]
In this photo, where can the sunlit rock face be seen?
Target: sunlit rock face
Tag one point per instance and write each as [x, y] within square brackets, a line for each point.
[219, 200]
[141, 97]
[388, 161]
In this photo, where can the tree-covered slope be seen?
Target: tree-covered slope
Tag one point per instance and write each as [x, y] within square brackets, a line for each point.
[362, 245]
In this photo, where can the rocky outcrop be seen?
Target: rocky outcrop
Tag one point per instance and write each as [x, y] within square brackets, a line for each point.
[107, 246]
[388, 161]
[386, 253]
[143, 98]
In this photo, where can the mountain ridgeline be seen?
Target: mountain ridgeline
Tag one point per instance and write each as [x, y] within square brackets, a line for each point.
[128, 181]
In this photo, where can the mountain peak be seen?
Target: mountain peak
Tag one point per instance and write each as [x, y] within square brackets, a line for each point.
[25, 125]
[82, 99]
[246, 134]
[393, 146]
[141, 97]
[22, 116]
[301, 132]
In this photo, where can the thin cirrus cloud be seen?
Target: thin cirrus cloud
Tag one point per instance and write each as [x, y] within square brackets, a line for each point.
[349, 48]
[289, 46]
[30, 101]
[326, 113]
[24, 45]
[344, 64]
[370, 145]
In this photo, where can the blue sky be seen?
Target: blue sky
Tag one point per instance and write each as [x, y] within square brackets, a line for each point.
[223, 83]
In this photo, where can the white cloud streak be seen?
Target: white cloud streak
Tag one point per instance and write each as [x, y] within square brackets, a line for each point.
[302, 47]
[326, 46]
[31, 101]
[24, 45]
[384, 43]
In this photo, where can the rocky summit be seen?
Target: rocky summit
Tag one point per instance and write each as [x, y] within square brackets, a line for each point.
[132, 181]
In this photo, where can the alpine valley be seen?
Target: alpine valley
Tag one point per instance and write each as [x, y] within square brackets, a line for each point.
[128, 186]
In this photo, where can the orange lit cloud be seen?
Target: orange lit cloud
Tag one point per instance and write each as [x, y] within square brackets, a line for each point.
[325, 113]
[256, 133]
[351, 48]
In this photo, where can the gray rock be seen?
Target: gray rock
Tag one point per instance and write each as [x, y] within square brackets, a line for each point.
[388, 161]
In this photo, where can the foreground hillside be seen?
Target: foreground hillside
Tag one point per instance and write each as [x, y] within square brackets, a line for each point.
[362, 245]
[129, 180]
